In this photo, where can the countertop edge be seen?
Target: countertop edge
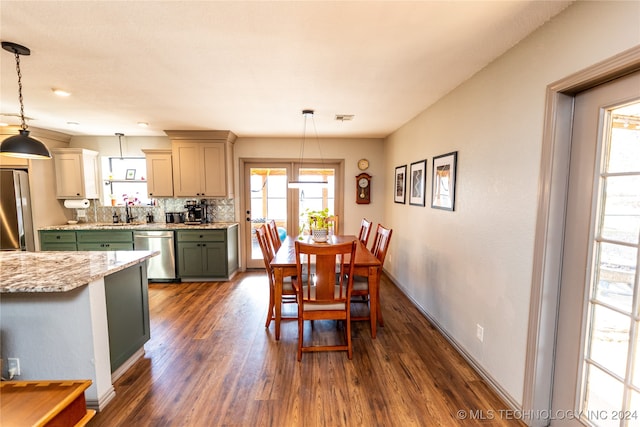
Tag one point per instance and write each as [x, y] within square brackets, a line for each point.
[53, 284]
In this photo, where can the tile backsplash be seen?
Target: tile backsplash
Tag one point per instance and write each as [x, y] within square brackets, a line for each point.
[217, 210]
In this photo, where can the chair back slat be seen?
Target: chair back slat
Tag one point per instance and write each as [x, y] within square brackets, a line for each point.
[365, 230]
[273, 235]
[327, 271]
[381, 242]
[265, 246]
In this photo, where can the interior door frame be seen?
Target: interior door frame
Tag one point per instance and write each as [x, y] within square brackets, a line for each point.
[550, 219]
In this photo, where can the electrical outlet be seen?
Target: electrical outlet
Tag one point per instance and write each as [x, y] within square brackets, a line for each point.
[479, 332]
[13, 366]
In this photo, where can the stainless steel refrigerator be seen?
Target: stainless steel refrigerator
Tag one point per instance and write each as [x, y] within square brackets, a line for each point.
[16, 224]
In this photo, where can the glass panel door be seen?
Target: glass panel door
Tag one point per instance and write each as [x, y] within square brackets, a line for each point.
[267, 200]
[268, 196]
[597, 351]
[611, 355]
[315, 197]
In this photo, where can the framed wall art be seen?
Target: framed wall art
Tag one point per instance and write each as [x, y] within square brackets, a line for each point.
[417, 179]
[131, 174]
[401, 182]
[443, 184]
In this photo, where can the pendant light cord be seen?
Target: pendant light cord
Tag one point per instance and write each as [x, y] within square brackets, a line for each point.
[23, 126]
[120, 135]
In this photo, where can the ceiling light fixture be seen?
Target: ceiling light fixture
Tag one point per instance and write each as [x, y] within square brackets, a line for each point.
[61, 92]
[143, 124]
[22, 145]
[299, 184]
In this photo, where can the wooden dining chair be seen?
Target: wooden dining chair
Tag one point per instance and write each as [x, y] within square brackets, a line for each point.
[365, 230]
[333, 223]
[325, 292]
[273, 235]
[288, 291]
[361, 283]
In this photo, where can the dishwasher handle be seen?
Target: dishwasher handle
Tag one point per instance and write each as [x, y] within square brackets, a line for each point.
[153, 234]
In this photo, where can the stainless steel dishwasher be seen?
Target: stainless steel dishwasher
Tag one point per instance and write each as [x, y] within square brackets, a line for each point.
[163, 266]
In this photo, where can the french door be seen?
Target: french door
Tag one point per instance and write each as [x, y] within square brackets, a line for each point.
[267, 197]
[597, 365]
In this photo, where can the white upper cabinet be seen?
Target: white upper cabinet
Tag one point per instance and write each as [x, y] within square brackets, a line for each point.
[76, 173]
[202, 163]
[159, 172]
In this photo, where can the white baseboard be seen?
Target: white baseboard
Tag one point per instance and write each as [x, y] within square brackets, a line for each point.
[502, 393]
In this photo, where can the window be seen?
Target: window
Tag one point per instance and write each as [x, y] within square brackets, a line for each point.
[125, 181]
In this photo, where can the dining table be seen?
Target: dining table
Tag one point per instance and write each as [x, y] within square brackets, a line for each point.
[365, 264]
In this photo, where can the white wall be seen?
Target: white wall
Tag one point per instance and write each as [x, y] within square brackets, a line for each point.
[474, 266]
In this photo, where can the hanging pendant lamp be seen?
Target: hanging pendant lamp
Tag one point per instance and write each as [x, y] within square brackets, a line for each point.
[22, 145]
[300, 184]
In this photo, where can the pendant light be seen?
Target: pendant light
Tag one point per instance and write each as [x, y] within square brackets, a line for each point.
[22, 145]
[308, 114]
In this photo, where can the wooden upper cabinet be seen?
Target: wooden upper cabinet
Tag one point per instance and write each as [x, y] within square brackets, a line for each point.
[202, 163]
[159, 172]
[76, 173]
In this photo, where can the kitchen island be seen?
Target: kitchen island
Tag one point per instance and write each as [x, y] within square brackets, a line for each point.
[74, 315]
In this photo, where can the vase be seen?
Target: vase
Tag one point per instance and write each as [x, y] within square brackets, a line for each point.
[320, 235]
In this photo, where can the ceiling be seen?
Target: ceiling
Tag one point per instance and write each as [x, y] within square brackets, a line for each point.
[249, 66]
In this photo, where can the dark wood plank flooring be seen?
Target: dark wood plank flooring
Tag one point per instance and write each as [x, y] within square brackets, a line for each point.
[211, 362]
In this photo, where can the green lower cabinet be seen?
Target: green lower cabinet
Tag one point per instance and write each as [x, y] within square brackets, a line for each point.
[57, 240]
[86, 240]
[203, 259]
[206, 253]
[105, 246]
[103, 240]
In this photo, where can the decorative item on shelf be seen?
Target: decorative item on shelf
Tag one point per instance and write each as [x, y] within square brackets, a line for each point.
[297, 183]
[22, 145]
[319, 223]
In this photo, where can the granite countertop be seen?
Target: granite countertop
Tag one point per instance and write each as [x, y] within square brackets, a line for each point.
[61, 271]
[140, 226]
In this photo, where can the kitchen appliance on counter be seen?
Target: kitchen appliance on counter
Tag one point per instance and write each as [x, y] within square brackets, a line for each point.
[162, 266]
[195, 212]
[174, 217]
[16, 227]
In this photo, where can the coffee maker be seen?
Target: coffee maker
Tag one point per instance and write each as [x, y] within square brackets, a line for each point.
[195, 212]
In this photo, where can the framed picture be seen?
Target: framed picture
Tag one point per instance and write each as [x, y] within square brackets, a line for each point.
[401, 182]
[131, 174]
[443, 184]
[418, 179]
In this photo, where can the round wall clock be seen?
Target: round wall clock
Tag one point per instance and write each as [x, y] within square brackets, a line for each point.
[363, 164]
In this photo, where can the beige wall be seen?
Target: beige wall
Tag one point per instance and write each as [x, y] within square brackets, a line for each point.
[109, 146]
[474, 266]
[350, 150]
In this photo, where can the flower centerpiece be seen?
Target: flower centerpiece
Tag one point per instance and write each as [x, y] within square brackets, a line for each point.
[318, 222]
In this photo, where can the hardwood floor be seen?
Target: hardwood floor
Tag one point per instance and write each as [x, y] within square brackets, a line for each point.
[211, 362]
